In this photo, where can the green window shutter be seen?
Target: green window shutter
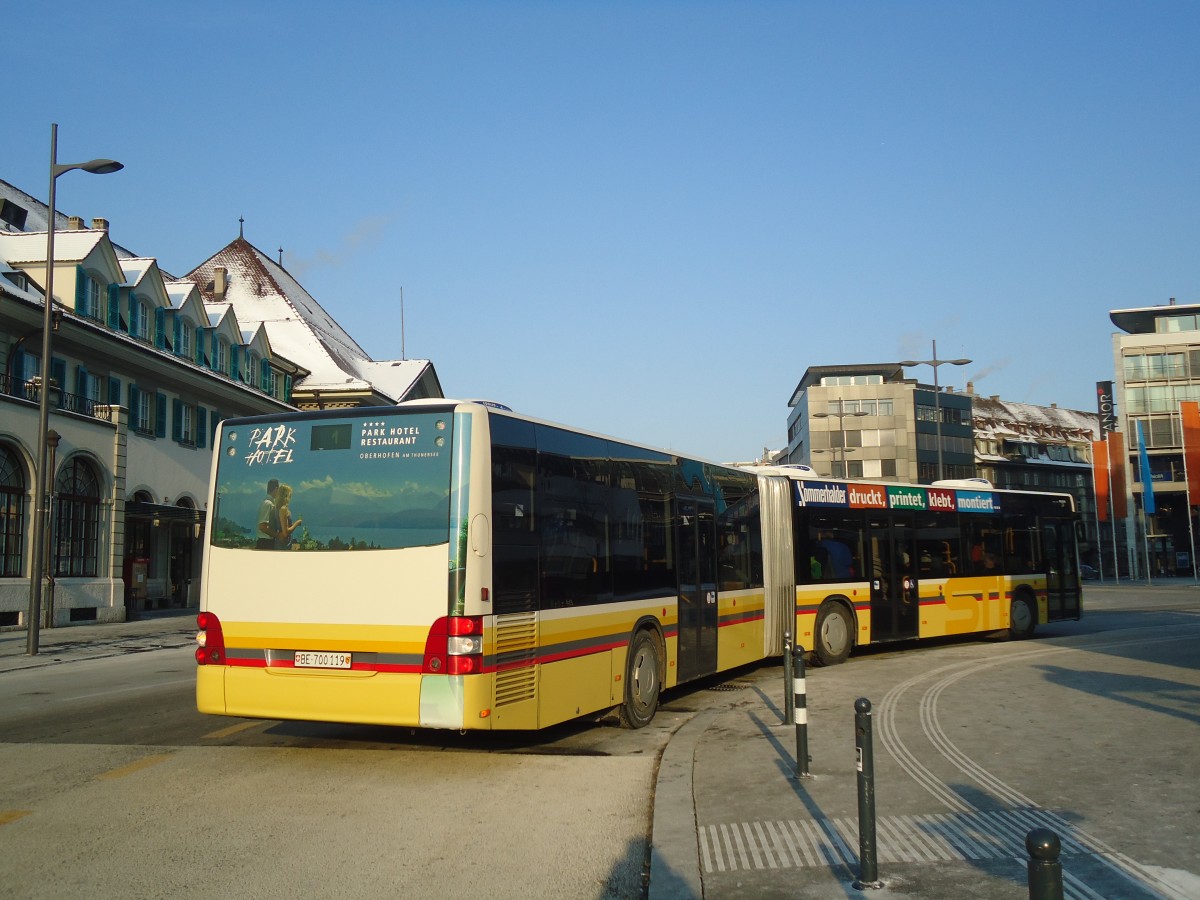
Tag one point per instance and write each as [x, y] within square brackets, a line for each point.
[81, 291]
[135, 310]
[264, 375]
[81, 381]
[18, 366]
[178, 329]
[201, 426]
[134, 408]
[160, 328]
[212, 360]
[287, 388]
[114, 391]
[58, 372]
[177, 419]
[199, 346]
[235, 368]
[160, 415]
[114, 307]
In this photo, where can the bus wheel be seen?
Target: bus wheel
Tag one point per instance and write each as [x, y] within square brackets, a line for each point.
[1022, 618]
[642, 682]
[834, 635]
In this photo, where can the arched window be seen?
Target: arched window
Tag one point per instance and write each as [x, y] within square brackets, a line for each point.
[77, 519]
[12, 513]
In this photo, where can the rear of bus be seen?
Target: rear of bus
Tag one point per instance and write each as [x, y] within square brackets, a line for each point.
[366, 611]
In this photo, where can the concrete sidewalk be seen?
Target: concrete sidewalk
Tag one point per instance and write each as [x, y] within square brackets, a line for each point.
[153, 631]
[732, 819]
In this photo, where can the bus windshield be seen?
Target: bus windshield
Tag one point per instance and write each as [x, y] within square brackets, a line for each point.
[376, 483]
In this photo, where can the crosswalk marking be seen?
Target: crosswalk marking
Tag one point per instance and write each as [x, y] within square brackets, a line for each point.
[795, 843]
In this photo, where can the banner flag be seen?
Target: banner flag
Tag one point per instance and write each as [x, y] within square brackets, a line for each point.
[1100, 478]
[1148, 505]
[1189, 412]
[1116, 468]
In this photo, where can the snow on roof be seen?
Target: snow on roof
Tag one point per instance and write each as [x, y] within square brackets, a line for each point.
[1024, 421]
[30, 246]
[298, 327]
[179, 291]
[36, 217]
[10, 288]
[135, 268]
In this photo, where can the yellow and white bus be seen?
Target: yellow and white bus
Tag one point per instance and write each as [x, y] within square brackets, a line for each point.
[445, 564]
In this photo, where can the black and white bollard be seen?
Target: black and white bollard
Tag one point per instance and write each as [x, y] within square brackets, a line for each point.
[1045, 871]
[800, 702]
[868, 867]
[789, 716]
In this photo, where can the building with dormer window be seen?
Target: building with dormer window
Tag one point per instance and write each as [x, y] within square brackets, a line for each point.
[145, 365]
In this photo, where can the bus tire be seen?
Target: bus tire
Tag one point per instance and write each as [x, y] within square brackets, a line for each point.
[1022, 617]
[833, 638]
[643, 681]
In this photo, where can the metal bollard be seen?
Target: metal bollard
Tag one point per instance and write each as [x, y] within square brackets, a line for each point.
[1045, 871]
[789, 716]
[800, 692]
[868, 867]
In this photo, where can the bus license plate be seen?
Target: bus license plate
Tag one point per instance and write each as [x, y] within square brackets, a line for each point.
[322, 660]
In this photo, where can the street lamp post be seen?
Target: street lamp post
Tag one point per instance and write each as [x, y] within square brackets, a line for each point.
[937, 393]
[41, 479]
[840, 415]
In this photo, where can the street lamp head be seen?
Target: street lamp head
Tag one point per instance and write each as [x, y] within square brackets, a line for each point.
[909, 363]
[95, 166]
[102, 166]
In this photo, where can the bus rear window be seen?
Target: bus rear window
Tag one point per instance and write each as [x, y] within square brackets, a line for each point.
[374, 482]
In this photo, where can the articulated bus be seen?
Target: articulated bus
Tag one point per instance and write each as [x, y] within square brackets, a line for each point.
[446, 564]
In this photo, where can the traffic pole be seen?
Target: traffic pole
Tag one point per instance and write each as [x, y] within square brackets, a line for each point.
[868, 867]
[789, 716]
[1045, 871]
[800, 693]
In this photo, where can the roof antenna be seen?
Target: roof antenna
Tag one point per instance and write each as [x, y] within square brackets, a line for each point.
[402, 356]
[281, 257]
[241, 222]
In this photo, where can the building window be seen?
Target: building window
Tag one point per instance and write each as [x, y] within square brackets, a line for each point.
[185, 340]
[12, 513]
[145, 316]
[221, 363]
[1174, 324]
[77, 520]
[870, 407]
[187, 424]
[848, 380]
[143, 414]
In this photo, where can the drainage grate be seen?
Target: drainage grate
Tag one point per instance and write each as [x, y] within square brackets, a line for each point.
[729, 686]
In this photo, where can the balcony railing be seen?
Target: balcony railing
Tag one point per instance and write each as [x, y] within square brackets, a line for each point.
[74, 403]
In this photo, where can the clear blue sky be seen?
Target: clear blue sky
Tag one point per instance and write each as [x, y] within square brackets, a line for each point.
[649, 218]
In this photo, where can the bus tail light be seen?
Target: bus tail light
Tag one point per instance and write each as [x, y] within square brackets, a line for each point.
[211, 640]
[454, 646]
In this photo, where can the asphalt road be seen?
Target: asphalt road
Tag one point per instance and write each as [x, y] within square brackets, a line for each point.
[114, 785]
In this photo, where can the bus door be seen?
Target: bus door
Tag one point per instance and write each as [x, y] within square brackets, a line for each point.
[695, 540]
[895, 603]
[1062, 573]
